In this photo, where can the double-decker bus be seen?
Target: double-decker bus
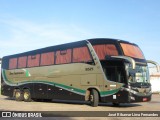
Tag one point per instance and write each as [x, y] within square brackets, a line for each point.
[95, 70]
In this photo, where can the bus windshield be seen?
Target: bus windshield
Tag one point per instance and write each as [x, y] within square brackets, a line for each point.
[139, 75]
[132, 51]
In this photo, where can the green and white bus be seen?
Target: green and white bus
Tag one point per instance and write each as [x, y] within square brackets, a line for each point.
[95, 70]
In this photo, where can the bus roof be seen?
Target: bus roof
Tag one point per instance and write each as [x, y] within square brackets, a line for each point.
[69, 45]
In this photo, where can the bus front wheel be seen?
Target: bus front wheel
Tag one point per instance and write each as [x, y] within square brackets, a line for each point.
[18, 95]
[27, 95]
[94, 98]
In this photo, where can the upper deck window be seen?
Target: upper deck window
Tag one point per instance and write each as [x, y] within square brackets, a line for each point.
[81, 54]
[22, 62]
[13, 63]
[33, 60]
[105, 49]
[63, 56]
[47, 58]
[132, 51]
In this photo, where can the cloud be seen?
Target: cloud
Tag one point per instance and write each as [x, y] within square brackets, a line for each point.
[21, 35]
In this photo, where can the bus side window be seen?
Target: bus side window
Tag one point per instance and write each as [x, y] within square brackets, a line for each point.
[22, 62]
[33, 60]
[13, 63]
[63, 56]
[105, 49]
[47, 58]
[81, 54]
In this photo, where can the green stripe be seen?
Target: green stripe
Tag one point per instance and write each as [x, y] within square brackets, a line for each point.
[5, 77]
[27, 73]
[56, 84]
[102, 93]
[47, 82]
[69, 87]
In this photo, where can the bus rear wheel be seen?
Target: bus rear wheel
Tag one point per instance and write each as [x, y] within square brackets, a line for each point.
[94, 98]
[18, 95]
[27, 95]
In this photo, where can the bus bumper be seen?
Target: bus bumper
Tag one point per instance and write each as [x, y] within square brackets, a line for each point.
[140, 97]
[127, 97]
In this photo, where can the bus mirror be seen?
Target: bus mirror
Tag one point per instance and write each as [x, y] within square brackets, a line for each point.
[129, 59]
[155, 63]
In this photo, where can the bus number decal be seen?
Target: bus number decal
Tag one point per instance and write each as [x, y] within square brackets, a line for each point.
[89, 69]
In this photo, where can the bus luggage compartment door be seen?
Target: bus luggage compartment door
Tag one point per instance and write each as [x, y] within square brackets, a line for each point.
[40, 91]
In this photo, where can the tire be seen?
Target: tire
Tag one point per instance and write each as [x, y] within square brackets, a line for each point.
[27, 95]
[94, 98]
[18, 95]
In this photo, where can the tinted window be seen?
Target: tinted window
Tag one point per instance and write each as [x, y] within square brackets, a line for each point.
[13, 63]
[33, 60]
[132, 51]
[47, 58]
[63, 56]
[22, 62]
[106, 49]
[81, 54]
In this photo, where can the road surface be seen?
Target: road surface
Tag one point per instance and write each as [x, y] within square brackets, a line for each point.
[8, 104]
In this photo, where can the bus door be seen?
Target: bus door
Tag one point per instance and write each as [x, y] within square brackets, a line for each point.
[115, 74]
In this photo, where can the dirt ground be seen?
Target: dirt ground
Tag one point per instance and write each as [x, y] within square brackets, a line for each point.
[8, 104]
[12, 105]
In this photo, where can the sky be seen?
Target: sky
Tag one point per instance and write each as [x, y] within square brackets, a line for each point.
[31, 24]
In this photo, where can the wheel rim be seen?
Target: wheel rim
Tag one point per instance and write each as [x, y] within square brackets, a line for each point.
[26, 95]
[91, 98]
[18, 94]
